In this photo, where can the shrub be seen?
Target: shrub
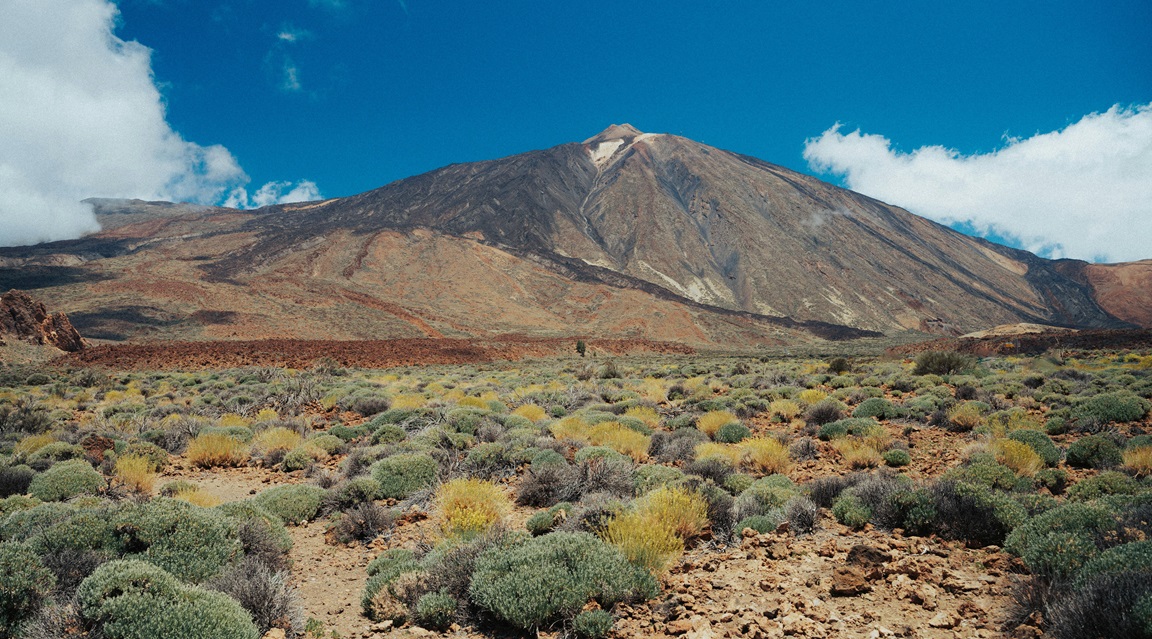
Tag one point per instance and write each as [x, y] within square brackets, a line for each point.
[897, 457]
[646, 542]
[294, 504]
[857, 454]
[710, 423]
[276, 439]
[1134, 556]
[1138, 460]
[731, 454]
[1018, 456]
[785, 408]
[435, 610]
[354, 492]
[612, 476]
[362, 522]
[189, 542]
[592, 624]
[825, 490]
[652, 476]
[732, 433]
[941, 363]
[209, 450]
[766, 454]
[24, 583]
[403, 474]
[802, 514]
[761, 523]
[875, 407]
[974, 513]
[832, 430]
[1119, 406]
[136, 472]
[850, 511]
[549, 484]
[469, 507]
[66, 480]
[552, 577]
[1058, 542]
[14, 480]
[299, 459]
[531, 412]
[1094, 451]
[264, 593]
[134, 600]
[56, 452]
[1038, 442]
[965, 417]
[682, 510]
[545, 521]
[824, 411]
[811, 396]
[1106, 483]
[1114, 605]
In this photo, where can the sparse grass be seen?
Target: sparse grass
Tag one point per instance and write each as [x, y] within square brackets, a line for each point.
[469, 507]
[197, 497]
[711, 422]
[857, 454]
[766, 455]
[1138, 461]
[136, 472]
[209, 450]
[651, 545]
[1018, 456]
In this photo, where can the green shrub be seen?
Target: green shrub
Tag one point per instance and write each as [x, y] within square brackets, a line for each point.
[832, 430]
[403, 474]
[14, 480]
[239, 433]
[942, 363]
[597, 452]
[592, 624]
[1106, 483]
[57, 452]
[850, 511]
[552, 577]
[732, 433]
[135, 600]
[351, 433]
[1130, 557]
[875, 407]
[651, 476]
[897, 457]
[824, 411]
[974, 513]
[1057, 543]
[153, 453]
[389, 434]
[986, 471]
[546, 457]
[1038, 442]
[190, 542]
[737, 483]
[66, 480]
[435, 610]
[394, 560]
[298, 458]
[1056, 425]
[1119, 406]
[294, 504]
[762, 523]
[1054, 479]
[24, 583]
[545, 521]
[354, 492]
[1094, 451]
[330, 444]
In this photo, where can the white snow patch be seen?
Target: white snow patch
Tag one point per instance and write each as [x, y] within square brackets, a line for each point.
[604, 151]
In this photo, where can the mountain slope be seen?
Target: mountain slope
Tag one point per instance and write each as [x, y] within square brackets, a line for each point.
[626, 234]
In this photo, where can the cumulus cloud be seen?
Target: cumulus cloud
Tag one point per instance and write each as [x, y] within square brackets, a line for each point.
[80, 116]
[274, 193]
[1084, 191]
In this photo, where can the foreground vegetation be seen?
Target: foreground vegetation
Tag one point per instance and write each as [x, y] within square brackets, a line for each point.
[558, 489]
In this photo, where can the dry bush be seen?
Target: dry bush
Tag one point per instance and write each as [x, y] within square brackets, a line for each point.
[711, 422]
[1138, 461]
[733, 454]
[469, 507]
[216, 449]
[1018, 456]
[650, 544]
[136, 472]
[856, 454]
[684, 511]
[785, 408]
[276, 439]
[197, 497]
[965, 417]
[766, 455]
[530, 411]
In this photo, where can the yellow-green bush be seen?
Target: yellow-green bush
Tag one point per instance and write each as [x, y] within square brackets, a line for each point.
[209, 450]
[711, 422]
[469, 507]
[766, 455]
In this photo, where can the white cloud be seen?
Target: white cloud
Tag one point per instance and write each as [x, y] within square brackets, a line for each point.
[1084, 191]
[274, 193]
[80, 116]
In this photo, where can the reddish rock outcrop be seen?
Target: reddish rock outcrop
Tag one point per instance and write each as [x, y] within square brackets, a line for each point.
[24, 318]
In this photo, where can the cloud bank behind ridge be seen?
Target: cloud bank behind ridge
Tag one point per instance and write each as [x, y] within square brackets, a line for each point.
[80, 116]
[1082, 192]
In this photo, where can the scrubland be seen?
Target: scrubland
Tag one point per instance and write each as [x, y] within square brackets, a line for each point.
[645, 496]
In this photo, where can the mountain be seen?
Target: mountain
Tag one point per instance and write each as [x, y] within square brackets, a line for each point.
[625, 234]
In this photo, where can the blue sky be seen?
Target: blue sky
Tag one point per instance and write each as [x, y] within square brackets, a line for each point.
[348, 95]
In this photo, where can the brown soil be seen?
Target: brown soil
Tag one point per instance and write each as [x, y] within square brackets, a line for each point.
[1033, 343]
[360, 354]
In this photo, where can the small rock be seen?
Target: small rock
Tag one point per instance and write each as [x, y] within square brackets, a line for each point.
[275, 633]
[867, 556]
[942, 620]
[678, 627]
[848, 581]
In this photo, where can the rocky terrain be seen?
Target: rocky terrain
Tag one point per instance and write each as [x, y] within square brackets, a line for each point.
[25, 319]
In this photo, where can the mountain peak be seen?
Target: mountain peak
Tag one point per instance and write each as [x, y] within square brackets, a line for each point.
[615, 132]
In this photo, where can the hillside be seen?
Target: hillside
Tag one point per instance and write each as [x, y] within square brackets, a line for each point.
[632, 235]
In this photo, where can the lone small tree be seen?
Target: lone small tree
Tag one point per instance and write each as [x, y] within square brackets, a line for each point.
[581, 347]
